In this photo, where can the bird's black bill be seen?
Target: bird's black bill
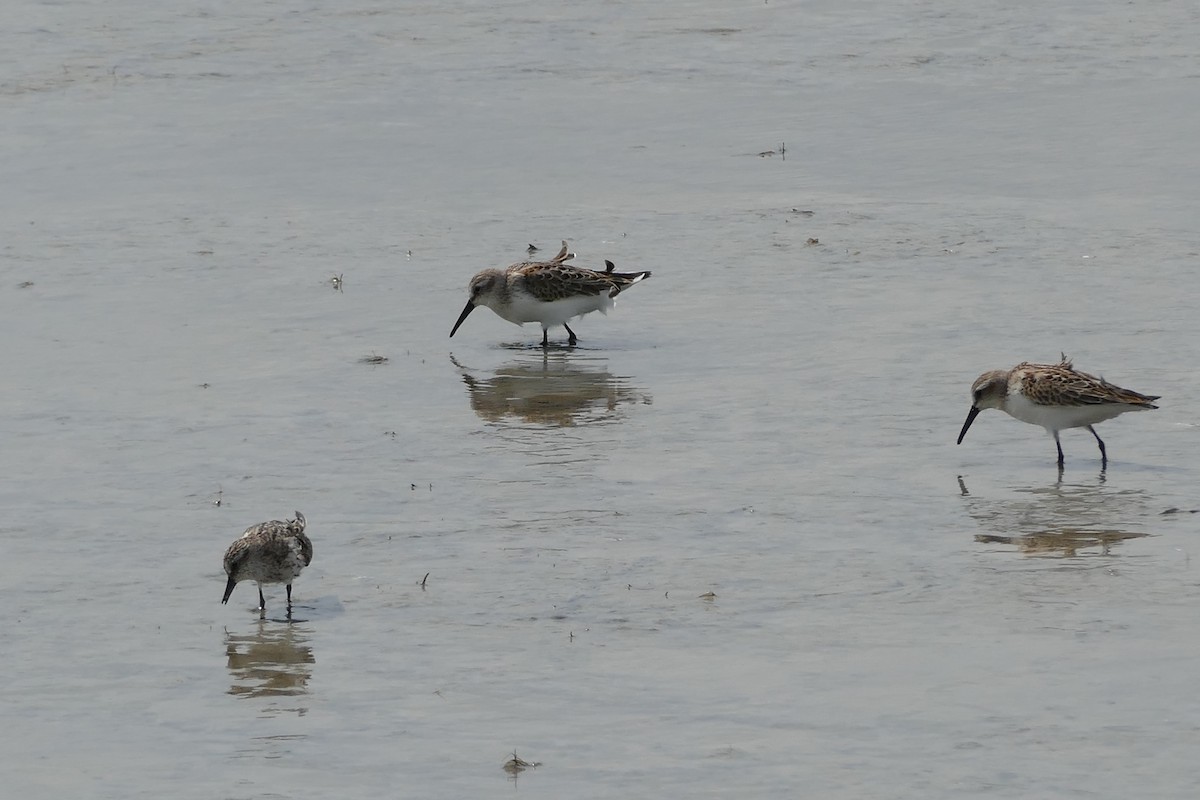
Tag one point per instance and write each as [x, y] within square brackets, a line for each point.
[971, 415]
[466, 311]
[228, 590]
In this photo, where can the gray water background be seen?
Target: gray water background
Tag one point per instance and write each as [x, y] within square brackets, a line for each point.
[766, 420]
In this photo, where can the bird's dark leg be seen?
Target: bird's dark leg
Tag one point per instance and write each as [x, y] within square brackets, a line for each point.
[1099, 441]
[1059, 446]
[545, 336]
[570, 333]
[289, 594]
[262, 601]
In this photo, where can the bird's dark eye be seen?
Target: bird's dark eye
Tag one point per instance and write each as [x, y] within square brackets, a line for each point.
[978, 394]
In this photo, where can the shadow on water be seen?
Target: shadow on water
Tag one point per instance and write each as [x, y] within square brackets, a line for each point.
[1061, 519]
[550, 388]
[273, 661]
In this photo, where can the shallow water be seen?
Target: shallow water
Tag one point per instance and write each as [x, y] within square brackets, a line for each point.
[727, 544]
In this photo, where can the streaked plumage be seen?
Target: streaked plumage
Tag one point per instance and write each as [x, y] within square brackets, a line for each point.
[1055, 396]
[269, 552]
[548, 292]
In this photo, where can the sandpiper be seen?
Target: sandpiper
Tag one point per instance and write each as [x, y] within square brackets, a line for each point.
[269, 552]
[1055, 396]
[548, 292]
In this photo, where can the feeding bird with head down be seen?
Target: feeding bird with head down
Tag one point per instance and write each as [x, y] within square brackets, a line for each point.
[547, 292]
[1054, 396]
[269, 552]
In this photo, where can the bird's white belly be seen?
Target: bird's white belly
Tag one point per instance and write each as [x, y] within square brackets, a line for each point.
[1057, 418]
[525, 308]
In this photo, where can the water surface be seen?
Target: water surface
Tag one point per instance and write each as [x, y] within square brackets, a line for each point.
[725, 546]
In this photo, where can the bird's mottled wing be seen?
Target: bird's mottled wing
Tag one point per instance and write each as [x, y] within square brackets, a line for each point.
[549, 281]
[1097, 391]
[265, 528]
[1060, 384]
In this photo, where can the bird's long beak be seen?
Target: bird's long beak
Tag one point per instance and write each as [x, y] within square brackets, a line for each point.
[470, 307]
[228, 589]
[971, 415]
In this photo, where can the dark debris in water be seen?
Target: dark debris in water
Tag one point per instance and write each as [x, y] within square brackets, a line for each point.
[516, 764]
[1174, 510]
[373, 359]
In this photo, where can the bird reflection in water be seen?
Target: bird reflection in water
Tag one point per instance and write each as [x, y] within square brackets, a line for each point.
[550, 389]
[1061, 521]
[274, 661]
[1064, 542]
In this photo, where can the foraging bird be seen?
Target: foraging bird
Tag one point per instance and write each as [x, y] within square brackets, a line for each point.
[1055, 396]
[269, 552]
[548, 292]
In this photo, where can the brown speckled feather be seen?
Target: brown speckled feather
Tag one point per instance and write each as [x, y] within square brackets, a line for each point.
[1062, 385]
[551, 281]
